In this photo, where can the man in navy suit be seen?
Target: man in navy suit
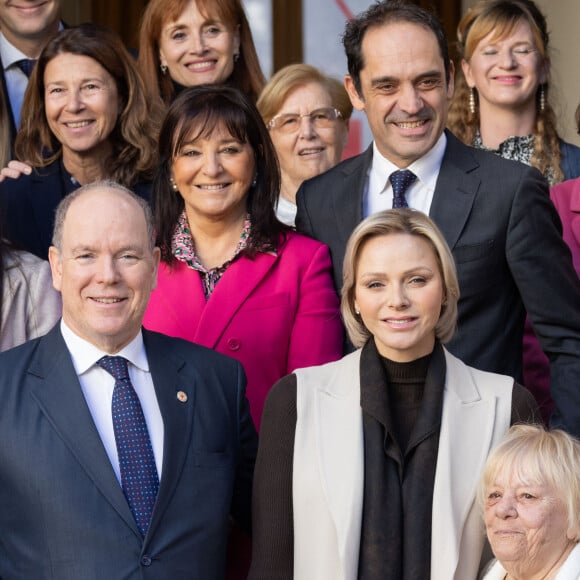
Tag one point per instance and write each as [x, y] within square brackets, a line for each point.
[25, 28]
[496, 215]
[107, 475]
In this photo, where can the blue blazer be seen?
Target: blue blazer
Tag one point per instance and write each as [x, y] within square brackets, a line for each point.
[506, 238]
[63, 514]
[27, 206]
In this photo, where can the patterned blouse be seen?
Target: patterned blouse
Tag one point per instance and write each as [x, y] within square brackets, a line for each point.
[517, 148]
[183, 248]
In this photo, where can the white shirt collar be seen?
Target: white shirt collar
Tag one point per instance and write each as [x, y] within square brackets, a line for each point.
[9, 53]
[84, 354]
[425, 168]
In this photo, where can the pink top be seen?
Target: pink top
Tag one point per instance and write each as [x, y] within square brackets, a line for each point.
[274, 313]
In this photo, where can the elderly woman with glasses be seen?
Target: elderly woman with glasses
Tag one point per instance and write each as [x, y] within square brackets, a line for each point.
[307, 114]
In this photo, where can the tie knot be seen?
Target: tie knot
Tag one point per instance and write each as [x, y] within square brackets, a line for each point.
[26, 65]
[400, 180]
[116, 366]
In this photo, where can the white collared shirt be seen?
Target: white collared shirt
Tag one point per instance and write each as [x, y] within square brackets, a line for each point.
[97, 385]
[16, 80]
[379, 194]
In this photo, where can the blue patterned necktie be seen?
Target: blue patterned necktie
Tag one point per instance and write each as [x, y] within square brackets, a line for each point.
[400, 180]
[26, 65]
[136, 460]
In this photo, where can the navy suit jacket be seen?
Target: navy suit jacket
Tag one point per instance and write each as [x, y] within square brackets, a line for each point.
[505, 236]
[63, 515]
[28, 204]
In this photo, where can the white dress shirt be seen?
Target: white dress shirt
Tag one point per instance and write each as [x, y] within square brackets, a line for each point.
[16, 80]
[379, 194]
[97, 385]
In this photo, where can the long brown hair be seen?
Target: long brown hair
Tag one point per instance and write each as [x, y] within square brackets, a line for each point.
[501, 17]
[133, 139]
[247, 74]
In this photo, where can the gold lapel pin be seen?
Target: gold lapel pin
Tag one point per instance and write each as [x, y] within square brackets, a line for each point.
[182, 397]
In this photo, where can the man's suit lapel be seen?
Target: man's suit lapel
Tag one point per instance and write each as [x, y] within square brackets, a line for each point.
[8, 106]
[171, 384]
[349, 196]
[55, 387]
[457, 185]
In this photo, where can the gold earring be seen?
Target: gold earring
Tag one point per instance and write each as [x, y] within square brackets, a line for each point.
[542, 98]
[472, 101]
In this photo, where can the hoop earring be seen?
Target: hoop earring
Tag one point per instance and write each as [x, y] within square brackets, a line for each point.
[472, 101]
[542, 98]
[163, 68]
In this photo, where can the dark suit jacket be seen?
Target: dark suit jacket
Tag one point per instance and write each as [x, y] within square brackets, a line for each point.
[27, 206]
[9, 110]
[505, 236]
[63, 515]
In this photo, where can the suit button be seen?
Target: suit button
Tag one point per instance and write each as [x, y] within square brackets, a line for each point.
[146, 561]
[234, 344]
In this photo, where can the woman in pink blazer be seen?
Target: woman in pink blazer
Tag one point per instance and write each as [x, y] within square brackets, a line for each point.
[233, 278]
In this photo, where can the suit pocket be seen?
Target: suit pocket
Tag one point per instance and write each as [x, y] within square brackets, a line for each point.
[471, 252]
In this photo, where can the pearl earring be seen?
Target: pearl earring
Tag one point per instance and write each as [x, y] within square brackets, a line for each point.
[472, 101]
[542, 98]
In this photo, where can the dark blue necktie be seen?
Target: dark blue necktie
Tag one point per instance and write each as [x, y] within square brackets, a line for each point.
[26, 65]
[136, 460]
[400, 180]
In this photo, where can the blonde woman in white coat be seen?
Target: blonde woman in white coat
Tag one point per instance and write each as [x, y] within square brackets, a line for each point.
[361, 459]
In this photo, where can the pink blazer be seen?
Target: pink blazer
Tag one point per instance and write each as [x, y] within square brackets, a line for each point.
[566, 198]
[274, 313]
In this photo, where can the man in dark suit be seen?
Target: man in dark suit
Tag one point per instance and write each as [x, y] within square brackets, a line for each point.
[124, 452]
[495, 214]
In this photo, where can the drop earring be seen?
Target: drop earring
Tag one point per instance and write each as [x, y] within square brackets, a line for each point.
[163, 68]
[542, 98]
[472, 101]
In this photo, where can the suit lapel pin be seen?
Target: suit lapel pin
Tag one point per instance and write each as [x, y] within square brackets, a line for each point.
[182, 397]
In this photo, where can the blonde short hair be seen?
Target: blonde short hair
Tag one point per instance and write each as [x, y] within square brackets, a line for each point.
[538, 457]
[291, 77]
[398, 221]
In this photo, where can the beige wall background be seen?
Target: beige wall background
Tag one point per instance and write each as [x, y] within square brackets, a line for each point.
[564, 26]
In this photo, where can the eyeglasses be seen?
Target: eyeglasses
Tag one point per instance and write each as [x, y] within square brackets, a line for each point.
[322, 118]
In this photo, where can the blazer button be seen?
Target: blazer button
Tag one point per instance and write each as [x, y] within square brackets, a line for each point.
[146, 561]
[234, 344]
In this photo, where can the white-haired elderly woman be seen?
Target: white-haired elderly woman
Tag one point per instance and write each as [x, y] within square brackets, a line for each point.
[361, 459]
[530, 493]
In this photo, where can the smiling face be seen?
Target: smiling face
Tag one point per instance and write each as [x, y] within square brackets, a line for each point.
[403, 90]
[308, 151]
[28, 24]
[399, 293]
[197, 49]
[213, 175]
[105, 268]
[527, 526]
[81, 103]
[507, 72]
